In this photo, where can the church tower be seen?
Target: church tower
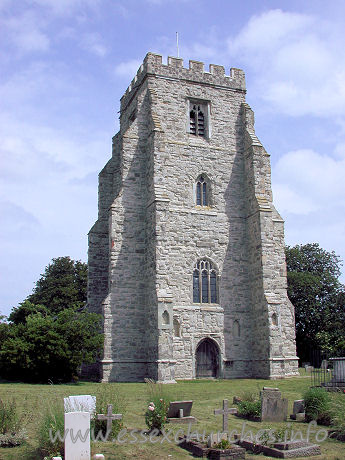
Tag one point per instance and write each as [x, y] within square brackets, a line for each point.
[186, 259]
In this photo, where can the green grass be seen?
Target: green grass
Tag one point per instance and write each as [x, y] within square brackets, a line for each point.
[207, 396]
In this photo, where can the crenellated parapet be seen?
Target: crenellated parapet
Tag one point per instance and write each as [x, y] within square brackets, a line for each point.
[174, 70]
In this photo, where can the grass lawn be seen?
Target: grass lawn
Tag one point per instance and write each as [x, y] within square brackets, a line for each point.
[207, 395]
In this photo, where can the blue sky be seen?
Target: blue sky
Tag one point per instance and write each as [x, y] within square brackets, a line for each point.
[66, 63]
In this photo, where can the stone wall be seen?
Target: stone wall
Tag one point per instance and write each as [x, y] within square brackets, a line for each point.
[150, 233]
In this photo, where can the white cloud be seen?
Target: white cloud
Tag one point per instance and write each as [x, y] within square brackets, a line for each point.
[305, 181]
[25, 31]
[93, 43]
[298, 62]
[308, 190]
[65, 7]
[128, 69]
[268, 31]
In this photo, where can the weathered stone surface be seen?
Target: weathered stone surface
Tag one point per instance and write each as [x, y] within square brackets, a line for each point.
[150, 233]
[289, 445]
[300, 417]
[215, 438]
[307, 450]
[298, 406]
[273, 407]
[200, 450]
[232, 453]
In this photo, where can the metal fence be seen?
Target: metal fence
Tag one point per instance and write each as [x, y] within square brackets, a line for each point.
[330, 374]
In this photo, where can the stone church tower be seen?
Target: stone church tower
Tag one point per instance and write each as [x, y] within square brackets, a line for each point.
[186, 259]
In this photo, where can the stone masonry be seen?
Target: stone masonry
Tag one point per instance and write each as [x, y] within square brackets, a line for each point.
[151, 233]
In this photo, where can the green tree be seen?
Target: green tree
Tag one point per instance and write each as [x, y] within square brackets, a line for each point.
[50, 334]
[62, 285]
[50, 347]
[19, 314]
[318, 297]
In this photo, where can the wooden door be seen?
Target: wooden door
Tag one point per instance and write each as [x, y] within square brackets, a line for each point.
[207, 360]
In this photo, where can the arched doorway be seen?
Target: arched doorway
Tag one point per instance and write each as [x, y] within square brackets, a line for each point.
[207, 359]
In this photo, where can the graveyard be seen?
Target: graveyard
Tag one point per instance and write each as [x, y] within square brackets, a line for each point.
[212, 399]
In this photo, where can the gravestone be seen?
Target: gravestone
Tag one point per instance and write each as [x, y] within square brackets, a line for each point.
[298, 411]
[338, 370]
[298, 406]
[179, 412]
[77, 440]
[225, 412]
[80, 403]
[273, 407]
[324, 364]
[109, 417]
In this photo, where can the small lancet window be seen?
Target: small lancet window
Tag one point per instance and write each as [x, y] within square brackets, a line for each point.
[201, 192]
[177, 329]
[205, 282]
[236, 330]
[274, 319]
[197, 120]
[165, 318]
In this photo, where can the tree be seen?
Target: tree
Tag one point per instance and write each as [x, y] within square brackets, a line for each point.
[50, 334]
[19, 314]
[62, 285]
[318, 297]
[47, 347]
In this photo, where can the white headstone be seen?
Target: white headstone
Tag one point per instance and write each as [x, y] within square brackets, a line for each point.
[80, 403]
[77, 440]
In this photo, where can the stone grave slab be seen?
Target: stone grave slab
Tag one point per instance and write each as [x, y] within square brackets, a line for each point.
[215, 438]
[198, 449]
[293, 449]
[180, 412]
[80, 403]
[77, 440]
[273, 407]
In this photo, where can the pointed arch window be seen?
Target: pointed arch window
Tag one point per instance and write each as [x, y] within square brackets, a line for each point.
[205, 282]
[202, 192]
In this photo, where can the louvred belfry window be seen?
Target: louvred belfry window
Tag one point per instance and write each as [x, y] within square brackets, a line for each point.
[205, 282]
[197, 120]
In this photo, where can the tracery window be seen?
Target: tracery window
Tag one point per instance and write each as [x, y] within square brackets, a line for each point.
[197, 120]
[205, 282]
[201, 192]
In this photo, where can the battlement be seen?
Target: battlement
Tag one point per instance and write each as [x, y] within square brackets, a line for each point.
[153, 65]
